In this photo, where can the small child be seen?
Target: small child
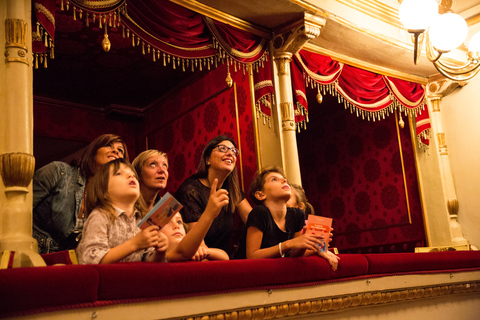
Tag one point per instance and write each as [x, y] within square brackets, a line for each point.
[298, 199]
[273, 230]
[111, 233]
[183, 246]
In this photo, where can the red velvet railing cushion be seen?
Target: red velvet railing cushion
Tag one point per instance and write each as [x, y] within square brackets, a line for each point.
[149, 280]
[23, 289]
[408, 262]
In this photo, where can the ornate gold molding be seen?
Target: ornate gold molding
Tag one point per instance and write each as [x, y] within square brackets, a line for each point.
[336, 303]
[224, 17]
[17, 169]
[452, 205]
[283, 64]
[442, 145]
[291, 38]
[436, 104]
[288, 116]
[16, 41]
[443, 87]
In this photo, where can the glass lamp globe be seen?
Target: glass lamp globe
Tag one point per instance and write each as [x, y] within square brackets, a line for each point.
[474, 45]
[418, 14]
[448, 31]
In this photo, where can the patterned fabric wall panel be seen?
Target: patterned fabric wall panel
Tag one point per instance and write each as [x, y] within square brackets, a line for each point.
[78, 125]
[197, 113]
[352, 171]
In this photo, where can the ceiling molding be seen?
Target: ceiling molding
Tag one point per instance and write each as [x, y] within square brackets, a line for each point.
[224, 17]
[372, 8]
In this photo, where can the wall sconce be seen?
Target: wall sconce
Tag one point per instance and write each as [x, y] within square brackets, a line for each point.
[442, 33]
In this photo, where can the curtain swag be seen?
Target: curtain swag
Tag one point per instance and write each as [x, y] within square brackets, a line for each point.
[164, 30]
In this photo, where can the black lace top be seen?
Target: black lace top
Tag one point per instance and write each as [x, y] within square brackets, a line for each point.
[193, 195]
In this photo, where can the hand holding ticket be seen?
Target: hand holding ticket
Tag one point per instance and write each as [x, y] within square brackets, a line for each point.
[320, 226]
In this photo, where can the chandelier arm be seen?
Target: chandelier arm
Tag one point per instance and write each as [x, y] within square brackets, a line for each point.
[458, 76]
[456, 70]
[466, 65]
[430, 50]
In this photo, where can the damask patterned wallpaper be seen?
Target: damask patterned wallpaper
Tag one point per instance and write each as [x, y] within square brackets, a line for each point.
[198, 113]
[352, 172]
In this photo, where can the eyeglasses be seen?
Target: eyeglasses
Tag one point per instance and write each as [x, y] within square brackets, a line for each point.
[224, 149]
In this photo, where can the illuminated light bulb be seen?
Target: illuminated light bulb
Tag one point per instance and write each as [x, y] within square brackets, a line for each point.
[474, 45]
[448, 31]
[418, 14]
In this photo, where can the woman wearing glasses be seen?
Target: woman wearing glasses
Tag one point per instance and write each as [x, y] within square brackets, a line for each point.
[218, 161]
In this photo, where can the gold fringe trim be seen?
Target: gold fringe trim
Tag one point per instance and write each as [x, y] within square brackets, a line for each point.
[331, 88]
[113, 19]
[337, 303]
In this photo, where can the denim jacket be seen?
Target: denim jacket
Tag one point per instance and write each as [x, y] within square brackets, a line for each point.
[58, 190]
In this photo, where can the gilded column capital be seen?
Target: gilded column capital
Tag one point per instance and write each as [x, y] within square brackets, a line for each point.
[283, 63]
[438, 89]
[442, 144]
[288, 116]
[17, 169]
[16, 41]
[291, 38]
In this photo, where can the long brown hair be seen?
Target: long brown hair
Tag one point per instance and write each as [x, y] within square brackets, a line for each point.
[87, 163]
[97, 190]
[231, 183]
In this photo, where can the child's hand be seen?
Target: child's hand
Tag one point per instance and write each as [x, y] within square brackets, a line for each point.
[146, 238]
[162, 244]
[331, 258]
[201, 254]
[218, 199]
[307, 240]
[331, 236]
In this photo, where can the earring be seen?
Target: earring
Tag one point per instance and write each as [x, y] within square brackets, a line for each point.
[208, 163]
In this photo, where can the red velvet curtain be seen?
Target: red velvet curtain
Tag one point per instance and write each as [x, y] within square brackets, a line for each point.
[370, 95]
[165, 30]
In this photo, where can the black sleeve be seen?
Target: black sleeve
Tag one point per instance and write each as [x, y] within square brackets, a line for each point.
[258, 218]
[190, 196]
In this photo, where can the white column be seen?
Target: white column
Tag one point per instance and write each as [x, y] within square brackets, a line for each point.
[441, 203]
[16, 147]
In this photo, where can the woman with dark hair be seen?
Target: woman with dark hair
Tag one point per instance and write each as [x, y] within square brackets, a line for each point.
[218, 161]
[59, 193]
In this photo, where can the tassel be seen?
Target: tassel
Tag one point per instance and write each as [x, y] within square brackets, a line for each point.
[88, 22]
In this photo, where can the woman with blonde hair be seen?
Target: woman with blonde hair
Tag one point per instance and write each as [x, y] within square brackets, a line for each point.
[152, 169]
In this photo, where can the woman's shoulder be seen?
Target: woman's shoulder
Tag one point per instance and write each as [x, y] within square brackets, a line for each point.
[260, 210]
[58, 166]
[189, 185]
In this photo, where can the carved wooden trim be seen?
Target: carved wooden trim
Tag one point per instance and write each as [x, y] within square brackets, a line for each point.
[336, 303]
[288, 116]
[452, 205]
[442, 144]
[16, 41]
[17, 169]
